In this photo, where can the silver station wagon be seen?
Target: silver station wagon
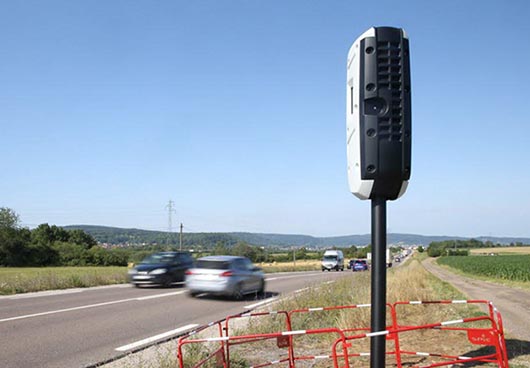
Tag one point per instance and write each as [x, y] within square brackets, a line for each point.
[225, 275]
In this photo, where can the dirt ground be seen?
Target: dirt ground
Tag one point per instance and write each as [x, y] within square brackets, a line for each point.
[513, 304]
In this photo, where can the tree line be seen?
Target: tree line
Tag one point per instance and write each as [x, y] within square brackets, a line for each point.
[460, 247]
[51, 246]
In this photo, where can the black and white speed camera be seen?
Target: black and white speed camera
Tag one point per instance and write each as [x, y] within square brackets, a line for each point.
[378, 114]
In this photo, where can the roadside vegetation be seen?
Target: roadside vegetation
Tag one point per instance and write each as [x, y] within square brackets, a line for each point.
[15, 280]
[51, 246]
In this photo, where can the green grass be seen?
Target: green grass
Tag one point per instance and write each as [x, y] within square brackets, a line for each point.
[25, 280]
[508, 267]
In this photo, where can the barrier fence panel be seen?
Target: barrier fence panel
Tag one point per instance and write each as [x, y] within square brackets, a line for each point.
[478, 339]
[419, 334]
[350, 319]
[277, 349]
[211, 355]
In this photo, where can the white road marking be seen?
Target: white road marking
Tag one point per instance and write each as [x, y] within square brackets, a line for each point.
[45, 293]
[260, 303]
[91, 306]
[160, 295]
[38, 294]
[152, 339]
[293, 276]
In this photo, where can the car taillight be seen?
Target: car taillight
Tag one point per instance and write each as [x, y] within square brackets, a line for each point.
[188, 272]
[226, 274]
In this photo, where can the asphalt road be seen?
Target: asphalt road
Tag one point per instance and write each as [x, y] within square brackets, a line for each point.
[82, 327]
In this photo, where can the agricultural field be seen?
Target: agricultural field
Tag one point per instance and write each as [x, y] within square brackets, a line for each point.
[500, 250]
[301, 265]
[506, 267]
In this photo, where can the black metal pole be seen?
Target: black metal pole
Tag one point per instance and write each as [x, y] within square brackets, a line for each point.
[378, 287]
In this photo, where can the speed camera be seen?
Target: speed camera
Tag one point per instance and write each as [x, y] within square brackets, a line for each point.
[378, 110]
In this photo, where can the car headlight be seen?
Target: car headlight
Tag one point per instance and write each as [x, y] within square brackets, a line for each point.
[158, 271]
[132, 271]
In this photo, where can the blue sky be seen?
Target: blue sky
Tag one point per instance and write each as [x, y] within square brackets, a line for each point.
[235, 110]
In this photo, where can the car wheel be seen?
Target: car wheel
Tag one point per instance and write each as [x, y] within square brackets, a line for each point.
[261, 291]
[193, 294]
[238, 292]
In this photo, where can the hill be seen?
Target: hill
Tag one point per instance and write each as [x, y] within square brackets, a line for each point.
[114, 235]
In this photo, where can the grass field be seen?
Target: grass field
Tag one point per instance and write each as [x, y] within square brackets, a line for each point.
[501, 250]
[506, 267]
[24, 280]
[301, 265]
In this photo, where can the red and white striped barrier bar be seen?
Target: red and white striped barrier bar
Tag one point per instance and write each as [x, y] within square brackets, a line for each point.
[392, 333]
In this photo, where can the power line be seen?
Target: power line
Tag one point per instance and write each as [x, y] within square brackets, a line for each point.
[170, 211]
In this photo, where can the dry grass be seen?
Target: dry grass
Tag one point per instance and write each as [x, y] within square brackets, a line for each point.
[301, 265]
[501, 250]
[28, 279]
[412, 282]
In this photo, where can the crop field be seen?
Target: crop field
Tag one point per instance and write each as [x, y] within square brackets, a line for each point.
[507, 267]
[301, 265]
[501, 250]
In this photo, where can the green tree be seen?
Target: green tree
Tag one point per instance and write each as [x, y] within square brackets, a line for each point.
[351, 252]
[14, 241]
[14, 249]
[9, 219]
[301, 253]
[245, 250]
[81, 238]
[220, 249]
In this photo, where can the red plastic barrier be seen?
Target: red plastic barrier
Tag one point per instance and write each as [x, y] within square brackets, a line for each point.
[341, 350]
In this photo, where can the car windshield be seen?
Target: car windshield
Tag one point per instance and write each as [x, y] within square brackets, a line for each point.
[330, 258]
[158, 258]
[360, 262]
[213, 265]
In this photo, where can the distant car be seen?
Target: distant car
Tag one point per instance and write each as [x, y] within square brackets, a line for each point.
[225, 275]
[359, 265]
[162, 268]
[333, 260]
[397, 259]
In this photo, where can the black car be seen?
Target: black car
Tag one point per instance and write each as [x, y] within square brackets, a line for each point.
[162, 268]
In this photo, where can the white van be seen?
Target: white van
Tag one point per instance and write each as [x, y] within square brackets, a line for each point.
[333, 260]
